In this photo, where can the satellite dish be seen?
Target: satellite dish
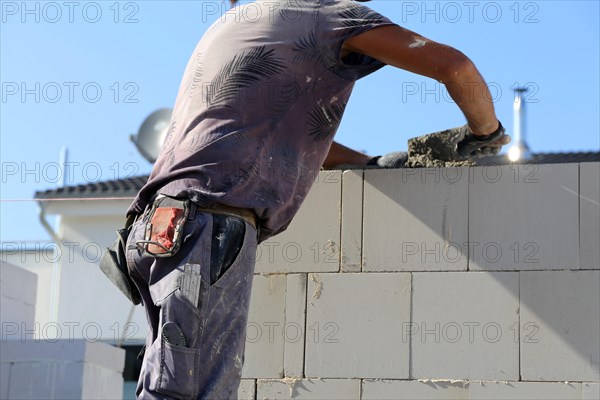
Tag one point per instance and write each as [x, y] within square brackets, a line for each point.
[152, 133]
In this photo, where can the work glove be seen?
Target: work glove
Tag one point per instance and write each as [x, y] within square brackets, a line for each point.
[480, 146]
[458, 144]
[396, 159]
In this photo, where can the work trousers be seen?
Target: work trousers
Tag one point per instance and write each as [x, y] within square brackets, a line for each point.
[196, 303]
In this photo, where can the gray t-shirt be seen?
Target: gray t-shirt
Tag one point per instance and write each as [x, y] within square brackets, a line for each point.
[260, 102]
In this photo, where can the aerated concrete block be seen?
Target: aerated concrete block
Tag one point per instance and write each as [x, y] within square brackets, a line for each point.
[311, 243]
[247, 389]
[463, 326]
[589, 203]
[4, 379]
[18, 290]
[295, 327]
[319, 389]
[525, 390]
[590, 391]
[524, 217]
[18, 284]
[560, 325]
[264, 335]
[101, 383]
[46, 380]
[63, 370]
[354, 323]
[67, 350]
[410, 390]
[415, 219]
[352, 219]
[18, 318]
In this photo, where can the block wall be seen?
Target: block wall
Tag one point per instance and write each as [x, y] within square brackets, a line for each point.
[18, 293]
[35, 368]
[454, 283]
[62, 369]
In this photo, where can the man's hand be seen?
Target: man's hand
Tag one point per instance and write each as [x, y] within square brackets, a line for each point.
[396, 159]
[341, 156]
[478, 146]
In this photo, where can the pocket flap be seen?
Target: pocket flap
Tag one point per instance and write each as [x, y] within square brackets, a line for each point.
[115, 269]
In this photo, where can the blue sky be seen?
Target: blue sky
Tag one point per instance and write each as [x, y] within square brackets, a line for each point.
[85, 74]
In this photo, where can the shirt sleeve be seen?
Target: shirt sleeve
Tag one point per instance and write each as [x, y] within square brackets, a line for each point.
[339, 20]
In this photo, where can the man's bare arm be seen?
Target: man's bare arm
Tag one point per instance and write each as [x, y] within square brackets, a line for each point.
[410, 51]
[342, 155]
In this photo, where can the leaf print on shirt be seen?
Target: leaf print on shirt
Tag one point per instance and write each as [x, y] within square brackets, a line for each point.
[168, 144]
[323, 121]
[169, 158]
[242, 72]
[356, 16]
[283, 97]
[195, 80]
[236, 174]
[307, 49]
[193, 75]
[290, 11]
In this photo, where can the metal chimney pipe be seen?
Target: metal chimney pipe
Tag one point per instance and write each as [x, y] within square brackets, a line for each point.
[519, 151]
[64, 159]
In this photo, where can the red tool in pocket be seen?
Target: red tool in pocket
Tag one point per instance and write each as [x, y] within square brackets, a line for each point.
[164, 230]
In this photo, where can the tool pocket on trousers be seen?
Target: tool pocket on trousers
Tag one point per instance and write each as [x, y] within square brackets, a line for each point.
[178, 354]
[178, 371]
[227, 242]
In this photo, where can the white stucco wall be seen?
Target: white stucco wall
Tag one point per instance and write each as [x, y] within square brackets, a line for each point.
[88, 301]
[88, 306]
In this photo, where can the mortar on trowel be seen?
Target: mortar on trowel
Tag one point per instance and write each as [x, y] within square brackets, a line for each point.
[436, 150]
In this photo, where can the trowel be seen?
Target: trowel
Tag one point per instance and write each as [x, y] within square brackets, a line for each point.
[449, 147]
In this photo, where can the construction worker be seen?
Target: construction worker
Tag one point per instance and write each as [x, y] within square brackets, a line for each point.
[254, 121]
